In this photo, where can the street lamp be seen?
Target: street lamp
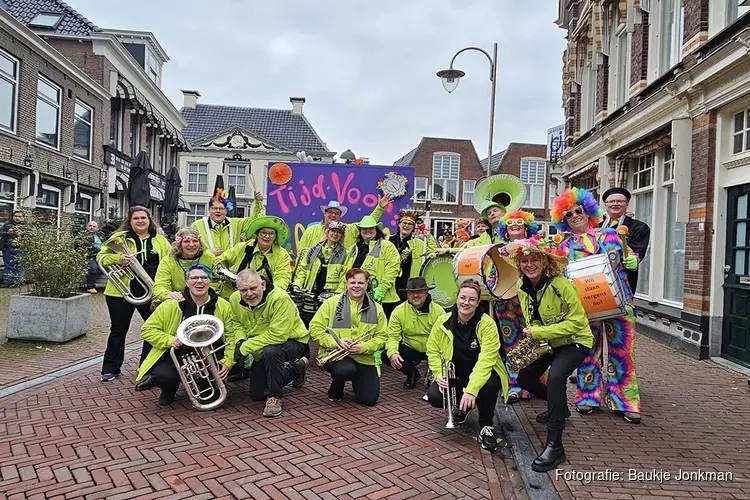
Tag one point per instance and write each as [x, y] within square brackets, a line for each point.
[451, 76]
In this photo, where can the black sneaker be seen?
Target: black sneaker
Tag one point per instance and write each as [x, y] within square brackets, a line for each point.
[301, 365]
[166, 398]
[108, 377]
[487, 438]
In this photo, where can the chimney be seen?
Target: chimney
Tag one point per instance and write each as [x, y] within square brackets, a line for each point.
[297, 104]
[190, 98]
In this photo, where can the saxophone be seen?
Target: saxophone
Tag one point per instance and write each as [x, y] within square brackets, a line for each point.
[528, 350]
[405, 253]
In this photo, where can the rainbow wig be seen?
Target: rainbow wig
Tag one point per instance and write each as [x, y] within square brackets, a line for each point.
[220, 196]
[528, 218]
[570, 199]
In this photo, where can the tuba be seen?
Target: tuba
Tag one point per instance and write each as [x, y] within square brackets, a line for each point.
[117, 273]
[505, 189]
[199, 369]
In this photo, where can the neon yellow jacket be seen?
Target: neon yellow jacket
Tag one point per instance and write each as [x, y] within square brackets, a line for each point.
[160, 330]
[220, 234]
[558, 330]
[316, 232]
[274, 321]
[385, 268]
[278, 261]
[411, 326]
[324, 319]
[305, 278]
[170, 276]
[161, 246]
[418, 256]
[441, 341]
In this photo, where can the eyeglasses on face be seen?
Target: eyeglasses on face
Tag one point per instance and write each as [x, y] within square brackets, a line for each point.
[267, 234]
[617, 202]
[198, 278]
[190, 241]
[577, 211]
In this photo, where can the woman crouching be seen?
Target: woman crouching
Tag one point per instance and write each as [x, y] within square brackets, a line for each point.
[555, 315]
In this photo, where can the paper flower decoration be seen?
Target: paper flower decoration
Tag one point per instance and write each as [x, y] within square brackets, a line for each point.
[557, 238]
[280, 173]
[394, 184]
[622, 230]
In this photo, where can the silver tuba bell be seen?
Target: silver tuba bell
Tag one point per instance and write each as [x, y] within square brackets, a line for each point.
[224, 274]
[199, 369]
[117, 274]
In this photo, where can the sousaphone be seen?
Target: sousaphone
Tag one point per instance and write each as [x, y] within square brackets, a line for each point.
[505, 189]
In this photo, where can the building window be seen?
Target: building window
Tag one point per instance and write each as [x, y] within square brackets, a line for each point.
[439, 226]
[643, 198]
[420, 188]
[468, 198]
[150, 144]
[588, 103]
[48, 113]
[153, 67]
[237, 177]
[741, 132]
[197, 211]
[674, 254]
[48, 205]
[135, 134]
[620, 66]
[115, 124]
[82, 130]
[672, 26]
[46, 20]
[240, 212]
[533, 175]
[83, 210]
[8, 187]
[197, 177]
[736, 9]
[445, 171]
[8, 91]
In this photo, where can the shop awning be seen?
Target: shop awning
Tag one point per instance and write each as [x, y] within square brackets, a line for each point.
[121, 182]
[157, 195]
[183, 206]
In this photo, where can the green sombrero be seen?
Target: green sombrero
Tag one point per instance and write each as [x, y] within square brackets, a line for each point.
[271, 222]
[368, 221]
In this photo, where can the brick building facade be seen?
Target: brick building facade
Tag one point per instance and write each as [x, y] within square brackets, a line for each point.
[52, 131]
[447, 170]
[657, 99]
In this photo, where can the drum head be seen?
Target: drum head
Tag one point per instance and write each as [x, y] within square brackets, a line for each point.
[438, 272]
[499, 276]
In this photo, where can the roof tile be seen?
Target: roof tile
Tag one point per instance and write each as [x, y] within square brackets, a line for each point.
[72, 22]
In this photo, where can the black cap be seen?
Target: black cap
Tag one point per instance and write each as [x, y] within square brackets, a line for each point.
[616, 190]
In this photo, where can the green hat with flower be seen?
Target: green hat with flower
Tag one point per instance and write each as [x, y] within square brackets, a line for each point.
[368, 221]
[271, 222]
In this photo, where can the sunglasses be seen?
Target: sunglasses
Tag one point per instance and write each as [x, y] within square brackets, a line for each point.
[577, 211]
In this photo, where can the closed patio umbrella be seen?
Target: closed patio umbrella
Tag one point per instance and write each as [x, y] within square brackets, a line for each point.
[171, 202]
[232, 197]
[139, 187]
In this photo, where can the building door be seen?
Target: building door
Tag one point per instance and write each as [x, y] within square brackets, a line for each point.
[736, 332]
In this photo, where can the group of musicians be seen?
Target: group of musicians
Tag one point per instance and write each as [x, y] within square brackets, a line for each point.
[377, 309]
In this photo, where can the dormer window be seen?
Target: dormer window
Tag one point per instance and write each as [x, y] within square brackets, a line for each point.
[46, 20]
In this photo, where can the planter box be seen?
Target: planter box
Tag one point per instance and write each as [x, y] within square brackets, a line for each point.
[48, 319]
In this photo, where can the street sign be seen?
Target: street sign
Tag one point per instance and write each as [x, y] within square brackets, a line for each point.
[555, 144]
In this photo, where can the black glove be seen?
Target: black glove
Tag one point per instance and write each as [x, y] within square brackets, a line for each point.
[237, 355]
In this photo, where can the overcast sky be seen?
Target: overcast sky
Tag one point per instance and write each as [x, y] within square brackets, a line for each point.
[366, 68]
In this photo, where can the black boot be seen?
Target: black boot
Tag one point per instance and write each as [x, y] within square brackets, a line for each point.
[412, 379]
[542, 417]
[553, 453]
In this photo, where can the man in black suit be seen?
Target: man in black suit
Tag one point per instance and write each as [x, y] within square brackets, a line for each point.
[616, 202]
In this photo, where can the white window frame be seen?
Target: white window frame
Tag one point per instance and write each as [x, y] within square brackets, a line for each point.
[443, 181]
[468, 189]
[439, 223]
[152, 63]
[619, 65]
[57, 209]
[76, 118]
[90, 213]
[232, 178]
[57, 105]
[636, 189]
[194, 214]
[417, 189]
[722, 13]
[527, 163]
[667, 181]
[588, 91]
[744, 133]
[198, 173]
[656, 64]
[14, 82]
[11, 202]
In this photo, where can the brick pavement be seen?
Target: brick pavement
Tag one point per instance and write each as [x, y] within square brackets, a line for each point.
[78, 438]
[21, 361]
[696, 415]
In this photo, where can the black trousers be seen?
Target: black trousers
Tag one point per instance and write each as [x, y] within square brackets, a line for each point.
[486, 399]
[411, 357]
[92, 272]
[364, 379]
[120, 313]
[561, 364]
[165, 374]
[388, 308]
[274, 370]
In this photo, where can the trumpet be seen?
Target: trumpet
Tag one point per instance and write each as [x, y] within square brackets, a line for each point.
[450, 399]
[340, 352]
[199, 370]
[118, 274]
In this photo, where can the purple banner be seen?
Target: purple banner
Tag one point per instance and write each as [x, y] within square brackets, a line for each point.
[296, 192]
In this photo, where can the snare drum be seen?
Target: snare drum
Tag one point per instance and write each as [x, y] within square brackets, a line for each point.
[599, 287]
[483, 263]
[438, 272]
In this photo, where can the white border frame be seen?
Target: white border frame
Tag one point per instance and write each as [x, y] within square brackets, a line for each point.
[59, 112]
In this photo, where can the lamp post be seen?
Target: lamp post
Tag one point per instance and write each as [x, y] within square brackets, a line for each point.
[452, 76]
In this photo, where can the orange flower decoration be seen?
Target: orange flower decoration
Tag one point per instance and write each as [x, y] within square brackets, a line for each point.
[557, 238]
[622, 230]
[280, 173]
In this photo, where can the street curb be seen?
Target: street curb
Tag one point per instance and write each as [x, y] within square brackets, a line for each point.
[538, 485]
[28, 384]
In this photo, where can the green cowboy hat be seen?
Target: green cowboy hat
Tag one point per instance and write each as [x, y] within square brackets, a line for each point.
[271, 222]
[490, 205]
[368, 221]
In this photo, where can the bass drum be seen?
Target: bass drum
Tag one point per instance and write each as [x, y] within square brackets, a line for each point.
[438, 273]
[497, 278]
